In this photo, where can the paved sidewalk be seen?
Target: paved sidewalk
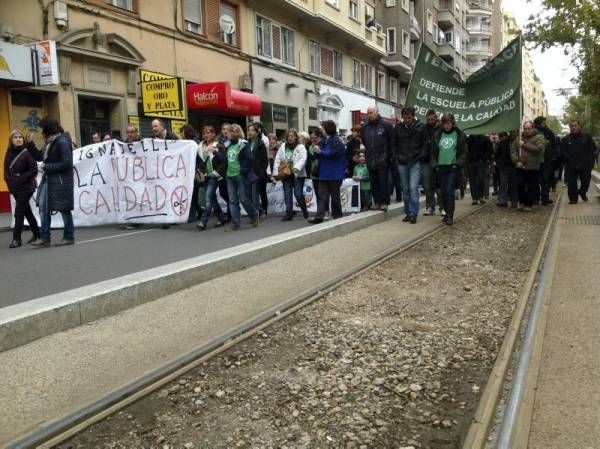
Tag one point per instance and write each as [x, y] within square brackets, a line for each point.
[566, 411]
[54, 375]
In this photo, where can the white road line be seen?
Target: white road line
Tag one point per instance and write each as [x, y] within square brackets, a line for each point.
[114, 236]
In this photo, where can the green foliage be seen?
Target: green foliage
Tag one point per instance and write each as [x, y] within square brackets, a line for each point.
[554, 124]
[584, 108]
[576, 25]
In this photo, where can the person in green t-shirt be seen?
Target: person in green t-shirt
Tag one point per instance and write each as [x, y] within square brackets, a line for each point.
[361, 174]
[447, 156]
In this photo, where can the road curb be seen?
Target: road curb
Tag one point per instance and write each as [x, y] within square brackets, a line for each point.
[29, 321]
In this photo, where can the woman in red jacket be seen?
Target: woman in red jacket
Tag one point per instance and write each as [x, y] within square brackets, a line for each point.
[20, 171]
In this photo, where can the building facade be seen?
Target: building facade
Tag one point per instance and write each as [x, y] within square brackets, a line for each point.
[534, 97]
[479, 26]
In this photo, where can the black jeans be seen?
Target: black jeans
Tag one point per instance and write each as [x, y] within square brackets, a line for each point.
[327, 190]
[572, 175]
[528, 185]
[225, 195]
[477, 181]
[22, 211]
[379, 186]
[447, 175]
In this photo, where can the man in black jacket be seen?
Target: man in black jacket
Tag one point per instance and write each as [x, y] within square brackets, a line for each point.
[550, 155]
[478, 157]
[56, 190]
[377, 137]
[410, 149]
[579, 153]
[428, 179]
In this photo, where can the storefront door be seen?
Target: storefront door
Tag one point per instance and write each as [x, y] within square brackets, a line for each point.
[95, 116]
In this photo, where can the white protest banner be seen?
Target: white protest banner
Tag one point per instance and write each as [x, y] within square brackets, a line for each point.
[150, 181]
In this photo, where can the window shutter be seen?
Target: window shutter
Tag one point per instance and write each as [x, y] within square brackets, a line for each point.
[276, 32]
[327, 62]
[192, 10]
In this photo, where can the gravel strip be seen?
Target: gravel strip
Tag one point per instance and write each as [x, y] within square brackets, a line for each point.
[393, 359]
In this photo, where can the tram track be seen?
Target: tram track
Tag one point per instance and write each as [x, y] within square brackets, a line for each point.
[62, 429]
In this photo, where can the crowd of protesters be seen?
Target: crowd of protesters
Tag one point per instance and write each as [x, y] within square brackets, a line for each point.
[521, 166]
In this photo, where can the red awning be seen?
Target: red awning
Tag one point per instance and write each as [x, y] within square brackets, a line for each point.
[220, 98]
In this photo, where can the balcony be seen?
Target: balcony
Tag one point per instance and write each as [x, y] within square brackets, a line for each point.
[376, 40]
[415, 29]
[480, 29]
[445, 19]
[446, 51]
[479, 8]
[479, 51]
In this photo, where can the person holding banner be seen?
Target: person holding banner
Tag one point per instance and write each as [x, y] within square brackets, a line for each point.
[525, 152]
[448, 152]
[211, 159]
[20, 171]
[331, 154]
[56, 189]
[290, 168]
[377, 137]
[240, 175]
[410, 150]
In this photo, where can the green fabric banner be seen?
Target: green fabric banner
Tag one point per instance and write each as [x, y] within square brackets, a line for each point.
[488, 101]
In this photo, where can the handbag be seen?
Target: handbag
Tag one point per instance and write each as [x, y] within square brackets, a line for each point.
[284, 171]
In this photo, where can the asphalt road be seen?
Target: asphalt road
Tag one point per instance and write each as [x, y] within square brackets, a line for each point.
[106, 252]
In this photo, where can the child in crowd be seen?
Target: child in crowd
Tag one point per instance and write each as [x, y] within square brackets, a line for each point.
[361, 174]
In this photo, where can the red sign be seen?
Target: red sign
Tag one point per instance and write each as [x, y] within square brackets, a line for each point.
[219, 98]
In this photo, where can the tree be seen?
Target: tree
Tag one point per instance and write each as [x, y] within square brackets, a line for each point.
[585, 109]
[554, 124]
[576, 25]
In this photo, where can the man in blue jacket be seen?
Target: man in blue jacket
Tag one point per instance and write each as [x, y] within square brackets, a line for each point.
[410, 146]
[377, 137]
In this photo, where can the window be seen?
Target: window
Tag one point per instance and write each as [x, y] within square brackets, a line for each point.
[405, 44]
[429, 22]
[457, 43]
[436, 33]
[192, 15]
[381, 84]
[406, 5]
[263, 37]
[354, 9]
[362, 76]
[393, 89]
[338, 67]
[334, 3]
[228, 10]
[315, 57]
[449, 37]
[369, 16]
[123, 4]
[390, 3]
[287, 46]
[391, 41]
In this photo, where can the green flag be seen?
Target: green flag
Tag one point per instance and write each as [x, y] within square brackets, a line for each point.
[488, 101]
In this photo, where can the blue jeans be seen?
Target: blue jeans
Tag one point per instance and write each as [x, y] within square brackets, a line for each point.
[410, 175]
[447, 177]
[211, 203]
[295, 185]
[46, 219]
[237, 188]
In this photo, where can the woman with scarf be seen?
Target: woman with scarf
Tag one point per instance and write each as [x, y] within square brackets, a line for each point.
[210, 160]
[20, 171]
[293, 155]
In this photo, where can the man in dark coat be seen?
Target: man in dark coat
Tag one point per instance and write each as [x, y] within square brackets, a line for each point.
[410, 149]
[55, 192]
[428, 178]
[579, 153]
[478, 157]
[377, 137]
[551, 153]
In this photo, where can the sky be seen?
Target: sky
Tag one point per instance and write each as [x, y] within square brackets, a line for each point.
[552, 67]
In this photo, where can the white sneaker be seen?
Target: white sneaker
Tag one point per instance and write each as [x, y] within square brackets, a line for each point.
[442, 212]
[457, 194]
[429, 211]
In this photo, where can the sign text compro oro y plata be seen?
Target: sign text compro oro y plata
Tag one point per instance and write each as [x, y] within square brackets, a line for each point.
[161, 95]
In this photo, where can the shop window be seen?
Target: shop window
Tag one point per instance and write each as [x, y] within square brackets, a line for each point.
[230, 11]
[192, 14]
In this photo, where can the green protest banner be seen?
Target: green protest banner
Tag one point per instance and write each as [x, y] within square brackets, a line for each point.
[488, 101]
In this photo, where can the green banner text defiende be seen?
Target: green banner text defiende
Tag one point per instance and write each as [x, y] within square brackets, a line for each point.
[488, 101]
